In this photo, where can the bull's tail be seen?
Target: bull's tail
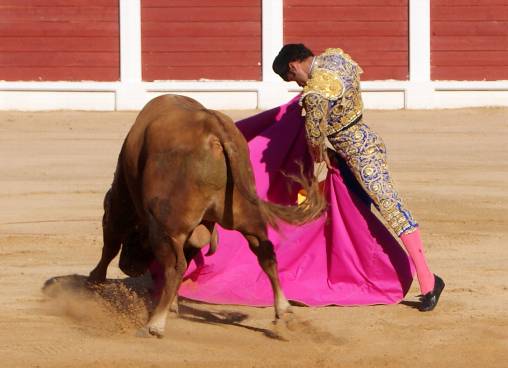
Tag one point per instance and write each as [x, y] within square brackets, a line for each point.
[307, 211]
[302, 213]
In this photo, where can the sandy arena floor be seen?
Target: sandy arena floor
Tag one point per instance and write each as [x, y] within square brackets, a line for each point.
[451, 166]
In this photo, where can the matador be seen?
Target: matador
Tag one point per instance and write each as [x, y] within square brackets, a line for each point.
[333, 110]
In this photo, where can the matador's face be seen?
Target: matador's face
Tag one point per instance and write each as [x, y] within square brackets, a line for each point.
[298, 72]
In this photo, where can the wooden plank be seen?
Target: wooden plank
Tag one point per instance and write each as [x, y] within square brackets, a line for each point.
[346, 14]
[231, 58]
[200, 43]
[366, 58]
[64, 14]
[109, 44]
[57, 29]
[59, 40]
[354, 29]
[471, 58]
[453, 3]
[378, 66]
[59, 59]
[319, 3]
[469, 73]
[469, 40]
[353, 43]
[199, 3]
[470, 43]
[151, 73]
[201, 29]
[18, 73]
[189, 40]
[372, 72]
[216, 14]
[374, 33]
[463, 13]
[387, 58]
[469, 28]
[59, 3]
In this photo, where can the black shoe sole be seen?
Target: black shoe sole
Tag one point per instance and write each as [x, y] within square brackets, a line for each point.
[438, 289]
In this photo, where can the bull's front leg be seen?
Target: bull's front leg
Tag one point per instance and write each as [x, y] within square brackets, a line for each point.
[112, 238]
[117, 221]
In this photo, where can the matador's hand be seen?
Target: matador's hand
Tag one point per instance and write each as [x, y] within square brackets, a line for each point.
[319, 154]
[327, 160]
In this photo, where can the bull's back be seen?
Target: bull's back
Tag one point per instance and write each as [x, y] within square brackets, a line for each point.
[171, 146]
[169, 112]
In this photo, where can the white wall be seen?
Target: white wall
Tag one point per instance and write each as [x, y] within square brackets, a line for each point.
[131, 93]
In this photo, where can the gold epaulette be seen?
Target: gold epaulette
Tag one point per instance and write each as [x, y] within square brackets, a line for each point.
[324, 83]
[330, 51]
[333, 51]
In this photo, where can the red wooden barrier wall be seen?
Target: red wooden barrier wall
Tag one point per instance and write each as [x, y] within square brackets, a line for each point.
[373, 32]
[469, 39]
[201, 39]
[48, 40]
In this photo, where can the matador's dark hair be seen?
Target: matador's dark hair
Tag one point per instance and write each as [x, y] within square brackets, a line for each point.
[288, 53]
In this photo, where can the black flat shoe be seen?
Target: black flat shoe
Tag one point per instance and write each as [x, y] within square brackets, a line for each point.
[429, 300]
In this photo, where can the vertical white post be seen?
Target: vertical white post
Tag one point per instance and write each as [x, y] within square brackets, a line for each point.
[272, 36]
[131, 94]
[419, 93]
[419, 40]
[272, 91]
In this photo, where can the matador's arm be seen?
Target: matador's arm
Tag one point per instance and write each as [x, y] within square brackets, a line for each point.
[316, 112]
[324, 86]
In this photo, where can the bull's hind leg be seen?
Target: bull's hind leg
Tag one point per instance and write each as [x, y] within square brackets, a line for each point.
[168, 250]
[263, 249]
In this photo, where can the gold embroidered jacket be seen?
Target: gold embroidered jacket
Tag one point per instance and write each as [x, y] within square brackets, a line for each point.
[331, 99]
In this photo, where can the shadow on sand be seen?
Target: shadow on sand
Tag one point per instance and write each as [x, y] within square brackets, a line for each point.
[411, 304]
[129, 300]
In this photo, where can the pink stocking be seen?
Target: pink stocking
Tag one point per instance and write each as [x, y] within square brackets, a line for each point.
[414, 246]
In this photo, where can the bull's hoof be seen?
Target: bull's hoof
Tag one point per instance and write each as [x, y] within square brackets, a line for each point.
[96, 277]
[174, 307]
[285, 318]
[156, 332]
[283, 313]
[92, 282]
[147, 332]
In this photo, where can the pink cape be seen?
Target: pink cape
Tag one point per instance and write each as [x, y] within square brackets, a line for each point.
[345, 257]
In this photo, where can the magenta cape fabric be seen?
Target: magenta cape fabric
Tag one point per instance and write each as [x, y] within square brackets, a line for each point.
[346, 257]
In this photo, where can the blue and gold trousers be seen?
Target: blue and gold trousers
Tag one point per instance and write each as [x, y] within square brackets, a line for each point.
[365, 154]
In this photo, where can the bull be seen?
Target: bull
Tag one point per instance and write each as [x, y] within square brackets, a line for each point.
[181, 170]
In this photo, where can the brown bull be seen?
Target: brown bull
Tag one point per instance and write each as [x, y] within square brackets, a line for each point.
[183, 168]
